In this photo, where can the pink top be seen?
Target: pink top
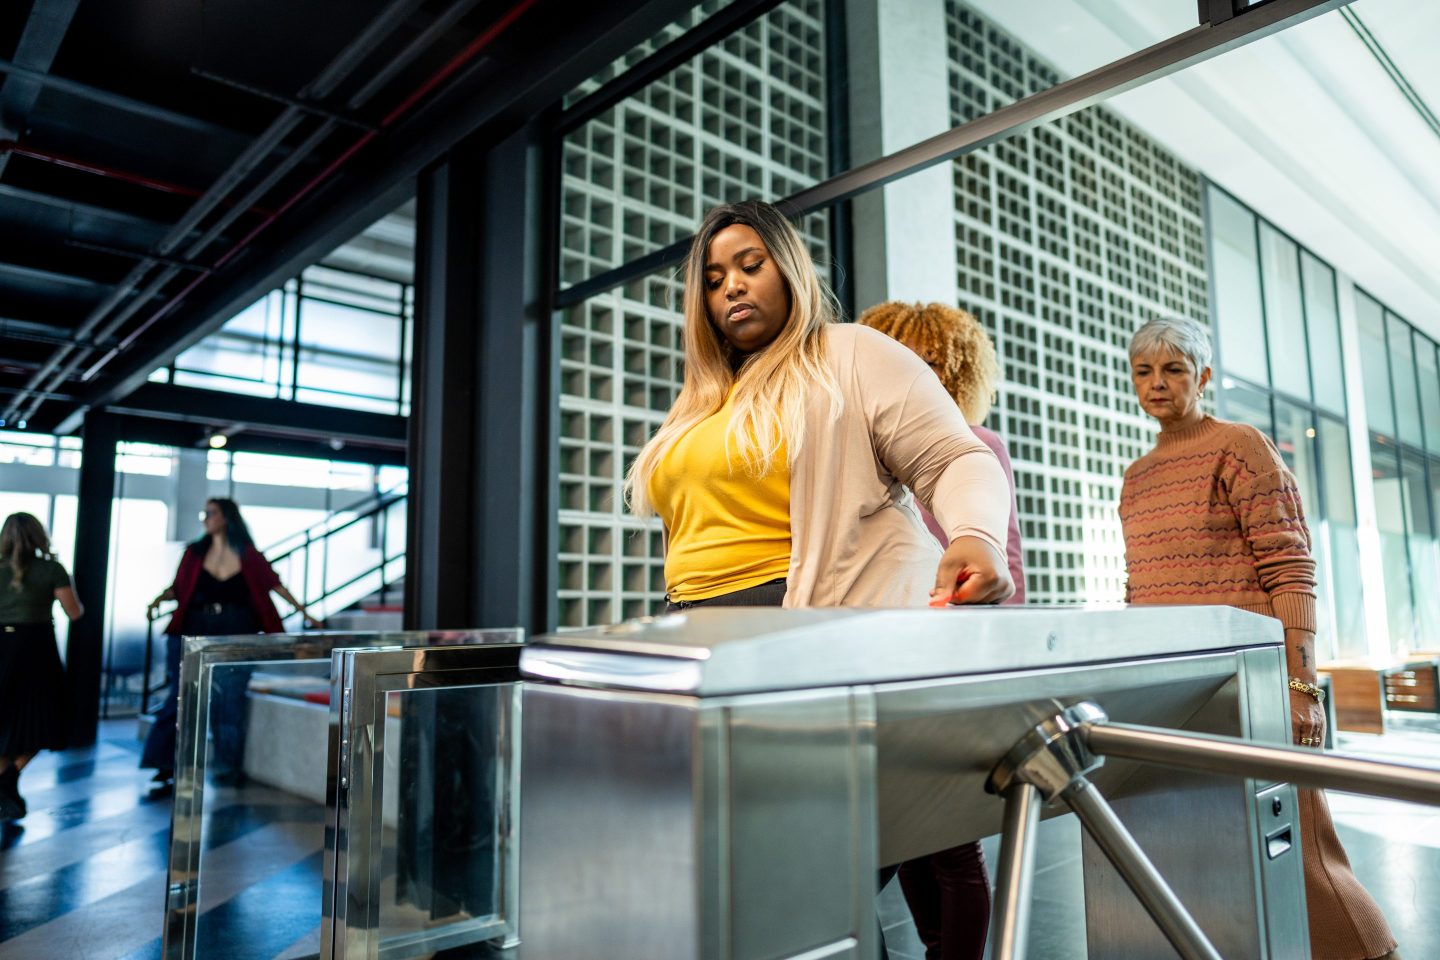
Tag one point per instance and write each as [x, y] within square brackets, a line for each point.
[1013, 555]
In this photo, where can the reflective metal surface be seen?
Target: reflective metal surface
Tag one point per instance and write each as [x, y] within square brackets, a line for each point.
[425, 779]
[712, 651]
[1149, 887]
[1299, 766]
[669, 808]
[1016, 872]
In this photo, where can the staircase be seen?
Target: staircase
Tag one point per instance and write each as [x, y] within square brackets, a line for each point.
[349, 567]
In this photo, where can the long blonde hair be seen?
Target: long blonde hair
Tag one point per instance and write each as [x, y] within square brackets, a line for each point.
[22, 539]
[772, 386]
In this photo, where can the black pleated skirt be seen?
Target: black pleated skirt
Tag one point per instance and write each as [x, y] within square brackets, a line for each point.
[32, 690]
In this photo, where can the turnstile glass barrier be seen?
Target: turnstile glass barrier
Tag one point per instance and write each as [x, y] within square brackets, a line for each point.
[423, 853]
[259, 800]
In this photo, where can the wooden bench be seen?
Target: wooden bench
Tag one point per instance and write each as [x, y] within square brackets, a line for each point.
[1362, 692]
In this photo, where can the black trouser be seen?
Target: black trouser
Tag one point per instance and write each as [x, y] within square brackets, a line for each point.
[227, 703]
[770, 594]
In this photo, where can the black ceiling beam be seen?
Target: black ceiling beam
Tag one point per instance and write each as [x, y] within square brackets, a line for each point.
[117, 101]
[383, 177]
[177, 433]
[39, 42]
[217, 408]
[76, 212]
[36, 332]
[27, 274]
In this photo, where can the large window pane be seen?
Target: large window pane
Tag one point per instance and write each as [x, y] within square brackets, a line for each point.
[1402, 375]
[1322, 322]
[1338, 562]
[1295, 438]
[1284, 316]
[1429, 372]
[1394, 559]
[246, 355]
[1244, 404]
[1375, 365]
[1421, 549]
[1236, 267]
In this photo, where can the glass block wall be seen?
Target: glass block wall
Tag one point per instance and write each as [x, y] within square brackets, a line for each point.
[745, 119]
[1069, 236]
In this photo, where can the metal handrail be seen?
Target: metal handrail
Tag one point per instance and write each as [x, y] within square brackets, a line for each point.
[1241, 758]
[1052, 761]
[379, 502]
[378, 568]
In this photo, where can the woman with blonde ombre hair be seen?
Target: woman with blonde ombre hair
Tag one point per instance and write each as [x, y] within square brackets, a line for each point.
[781, 471]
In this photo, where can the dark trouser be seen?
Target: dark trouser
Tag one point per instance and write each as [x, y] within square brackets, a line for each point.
[159, 752]
[949, 897]
[770, 594]
[227, 696]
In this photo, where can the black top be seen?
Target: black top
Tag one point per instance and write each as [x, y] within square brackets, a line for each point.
[31, 603]
[230, 592]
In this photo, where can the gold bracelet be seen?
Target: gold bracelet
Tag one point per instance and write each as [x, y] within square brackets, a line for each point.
[1310, 688]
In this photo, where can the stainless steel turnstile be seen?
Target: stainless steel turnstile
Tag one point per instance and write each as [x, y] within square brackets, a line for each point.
[724, 784]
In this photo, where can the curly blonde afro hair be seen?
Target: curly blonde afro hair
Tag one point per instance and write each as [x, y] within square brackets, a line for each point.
[951, 341]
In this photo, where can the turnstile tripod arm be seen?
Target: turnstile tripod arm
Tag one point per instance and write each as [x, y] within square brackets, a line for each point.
[1013, 880]
[1242, 758]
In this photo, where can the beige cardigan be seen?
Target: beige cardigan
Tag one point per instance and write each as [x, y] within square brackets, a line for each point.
[857, 539]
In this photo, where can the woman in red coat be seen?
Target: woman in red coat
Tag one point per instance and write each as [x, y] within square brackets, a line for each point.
[222, 588]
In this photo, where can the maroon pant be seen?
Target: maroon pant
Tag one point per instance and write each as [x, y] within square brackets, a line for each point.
[949, 898]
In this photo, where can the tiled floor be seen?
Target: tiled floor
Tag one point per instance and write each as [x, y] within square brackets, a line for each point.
[84, 874]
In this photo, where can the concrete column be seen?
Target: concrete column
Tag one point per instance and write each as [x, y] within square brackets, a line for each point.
[1377, 621]
[904, 233]
[189, 493]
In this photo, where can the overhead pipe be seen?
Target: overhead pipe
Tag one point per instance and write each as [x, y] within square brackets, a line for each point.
[246, 163]
[455, 63]
[100, 170]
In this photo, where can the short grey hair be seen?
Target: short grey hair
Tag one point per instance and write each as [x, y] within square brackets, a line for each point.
[1180, 334]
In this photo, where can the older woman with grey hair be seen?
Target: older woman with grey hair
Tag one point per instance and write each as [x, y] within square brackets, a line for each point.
[1212, 516]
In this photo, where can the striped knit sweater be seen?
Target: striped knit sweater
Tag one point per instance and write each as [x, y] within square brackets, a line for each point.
[1212, 516]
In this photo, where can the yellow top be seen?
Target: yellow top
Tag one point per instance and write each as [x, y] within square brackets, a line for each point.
[728, 530]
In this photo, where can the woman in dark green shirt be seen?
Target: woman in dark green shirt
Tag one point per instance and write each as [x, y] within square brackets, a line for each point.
[32, 679]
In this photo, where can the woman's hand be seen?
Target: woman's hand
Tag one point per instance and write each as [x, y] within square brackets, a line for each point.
[1307, 720]
[971, 571]
[154, 608]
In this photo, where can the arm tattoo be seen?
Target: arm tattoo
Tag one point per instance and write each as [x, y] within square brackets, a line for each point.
[1304, 654]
